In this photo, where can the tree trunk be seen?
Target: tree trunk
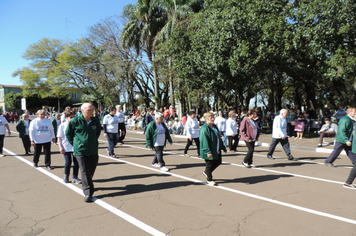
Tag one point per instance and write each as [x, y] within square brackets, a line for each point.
[270, 93]
[171, 90]
[157, 104]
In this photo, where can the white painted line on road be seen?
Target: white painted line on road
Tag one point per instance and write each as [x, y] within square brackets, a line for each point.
[308, 210]
[101, 203]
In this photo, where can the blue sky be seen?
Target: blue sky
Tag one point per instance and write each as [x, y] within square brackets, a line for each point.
[25, 22]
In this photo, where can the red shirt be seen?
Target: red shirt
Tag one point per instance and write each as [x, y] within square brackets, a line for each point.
[166, 113]
[184, 120]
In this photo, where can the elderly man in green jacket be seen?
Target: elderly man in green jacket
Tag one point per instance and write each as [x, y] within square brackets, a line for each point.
[82, 133]
[343, 138]
[210, 146]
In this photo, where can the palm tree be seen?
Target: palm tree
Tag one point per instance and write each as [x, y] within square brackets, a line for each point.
[145, 21]
[175, 11]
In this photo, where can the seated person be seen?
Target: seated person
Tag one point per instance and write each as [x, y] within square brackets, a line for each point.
[168, 123]
[177, 126]
[327, 130]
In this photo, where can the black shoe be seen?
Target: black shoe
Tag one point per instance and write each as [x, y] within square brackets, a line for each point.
[49, 167]
[88, 198]
[292, 158]
[270, 157]
[35, 165]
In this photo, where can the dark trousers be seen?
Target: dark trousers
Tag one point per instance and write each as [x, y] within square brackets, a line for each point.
[326, 134]
[352, 175]
[68, 163]
[122, 128]
[210, 166]
[1, 142]
[233, 142]
[284, 143]
[159, 156]
[113, 139]
[249, 155]
[26, 143]
[337, 150]
[189, 143]
[47, 152]
[87, 165]
[290, 129]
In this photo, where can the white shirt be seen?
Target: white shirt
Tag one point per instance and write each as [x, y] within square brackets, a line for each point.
[192, 128]
[231, 127]
[279, 127]
[220, 122]
[3, 122]
[177, 124]
[61, 133]
[112, 123]
[161, 135]
[121, 116]
[63, 118]
[41, 131]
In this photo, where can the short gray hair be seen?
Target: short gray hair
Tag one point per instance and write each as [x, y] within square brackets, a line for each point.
[283, 111]
[158, 115]
[84, 105]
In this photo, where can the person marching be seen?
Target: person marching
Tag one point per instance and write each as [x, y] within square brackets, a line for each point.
[3, 123]
[231, 131]
[41, 134]
[192, 129]
[249, 133]
[156, 136]
[66, 149]
[82, 133]
[279, 135]
[343, 138]
[23, 128]
[220, 122]
[111, 128]
[210, 146]
[352, 175]
[56, 121]
[122, 127]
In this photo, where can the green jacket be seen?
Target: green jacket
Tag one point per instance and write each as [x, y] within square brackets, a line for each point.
[55, 128]
[344, 129]
[151, 134]
[21, 128]
[84, 137]
[208, 142]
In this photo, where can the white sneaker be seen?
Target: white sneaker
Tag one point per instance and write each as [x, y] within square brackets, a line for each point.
[165, 169]
[212, 183]
[155, 165]
[300, 138]
[2, 155]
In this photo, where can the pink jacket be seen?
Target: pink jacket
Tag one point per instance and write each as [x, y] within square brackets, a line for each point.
[247, 131]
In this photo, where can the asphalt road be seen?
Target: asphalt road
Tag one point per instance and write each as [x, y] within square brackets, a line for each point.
[279, 197]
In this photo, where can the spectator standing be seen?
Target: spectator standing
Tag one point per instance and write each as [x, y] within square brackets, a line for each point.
[149, 117]
[82, 133]
[156, 136]
[249, 133]
[210, 146]
[23, 128]
[299, 124]
[192, 129]
[340, 114]
[41, 134]
[166, 113]
[290, 118]
[279, 135]
[56, 121]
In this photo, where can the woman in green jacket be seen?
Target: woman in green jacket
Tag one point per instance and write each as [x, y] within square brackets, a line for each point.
[156, 136]
[210, 146]
[22, 127]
